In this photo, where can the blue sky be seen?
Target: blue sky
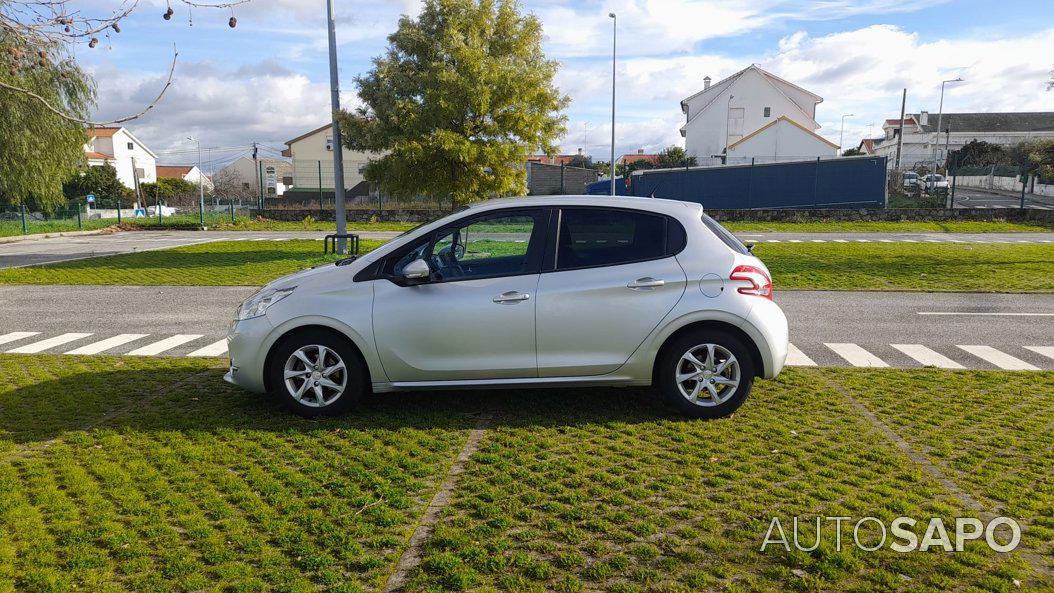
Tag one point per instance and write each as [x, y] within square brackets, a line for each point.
[266, 80]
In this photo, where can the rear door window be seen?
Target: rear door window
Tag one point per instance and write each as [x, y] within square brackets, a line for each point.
[591, 237]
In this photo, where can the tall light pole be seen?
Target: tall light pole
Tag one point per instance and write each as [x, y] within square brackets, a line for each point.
[201, 186]
[338, 147]
[940, 115]
[614, 32]
[841, 132]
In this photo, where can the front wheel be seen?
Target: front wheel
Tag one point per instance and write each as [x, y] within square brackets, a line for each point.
[705, 374]
[317, 374]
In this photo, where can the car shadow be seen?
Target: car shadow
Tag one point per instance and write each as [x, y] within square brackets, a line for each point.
[163, 400]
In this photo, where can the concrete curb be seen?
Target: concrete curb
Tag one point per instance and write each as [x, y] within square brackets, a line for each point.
[38, 236]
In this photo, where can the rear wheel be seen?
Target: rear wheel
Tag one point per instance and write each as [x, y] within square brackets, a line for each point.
[317, 373]
[705, 374]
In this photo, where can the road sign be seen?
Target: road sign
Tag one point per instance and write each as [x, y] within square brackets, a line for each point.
[91, 198]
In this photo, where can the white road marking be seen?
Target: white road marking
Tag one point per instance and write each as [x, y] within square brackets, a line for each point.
[986, 314]
[798, 358]
[1047, 351]
[885, 240]
[43, 345]
[863, 240]
[856, 356]
[840, 241]
[214, 349]
[163, 345]
[909, 240]
[773, 240]
[998, 358]
[819, 240]
[107, 344]
[15, 336]
[794, 241]
[927, 357]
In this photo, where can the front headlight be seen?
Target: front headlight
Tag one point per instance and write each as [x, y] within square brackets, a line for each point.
[257, 304]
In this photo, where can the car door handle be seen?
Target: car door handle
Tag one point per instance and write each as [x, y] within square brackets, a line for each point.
[645, 283]
[513, 296]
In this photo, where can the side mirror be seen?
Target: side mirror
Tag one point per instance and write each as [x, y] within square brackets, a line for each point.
[416, 271]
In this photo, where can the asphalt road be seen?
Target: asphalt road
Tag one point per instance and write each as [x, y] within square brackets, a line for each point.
[874, 320]
[54, 249]
[968, 197]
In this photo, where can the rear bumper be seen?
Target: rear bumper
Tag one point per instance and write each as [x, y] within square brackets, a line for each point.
[245, 344]
[772, 336]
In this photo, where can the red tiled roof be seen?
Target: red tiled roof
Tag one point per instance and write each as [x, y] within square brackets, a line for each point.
[98, 156]
[637, 157]
[101, 132]
[173, 171]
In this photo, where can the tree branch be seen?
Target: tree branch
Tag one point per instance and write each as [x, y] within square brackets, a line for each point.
[60, 113]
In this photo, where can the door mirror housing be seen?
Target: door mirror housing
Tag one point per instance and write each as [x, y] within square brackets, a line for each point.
[416, 272]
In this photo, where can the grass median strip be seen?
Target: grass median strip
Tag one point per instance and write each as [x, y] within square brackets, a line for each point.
[812, 266]
[205, 487]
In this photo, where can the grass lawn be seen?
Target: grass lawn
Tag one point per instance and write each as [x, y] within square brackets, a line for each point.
[823, 266]
[905, 226]
[153, 475]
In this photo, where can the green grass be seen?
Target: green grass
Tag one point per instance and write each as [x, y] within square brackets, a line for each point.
[12, 228]
[904, 226]
[942, 267]
[241, 263]
[153, 475]
[801, 266]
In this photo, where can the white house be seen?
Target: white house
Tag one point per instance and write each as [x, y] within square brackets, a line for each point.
[923, 143]
[120, 148]
[725, 112]
[189, 173]
[245, 175]
[312, 155]
[781, 140]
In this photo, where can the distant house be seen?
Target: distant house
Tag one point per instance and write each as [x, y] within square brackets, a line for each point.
[245, 176]
[726, 112]
[783, 139]
[312, 155]
[637, 157]
[923, 143]
[559, 159]
[189, 173]
[120, 148]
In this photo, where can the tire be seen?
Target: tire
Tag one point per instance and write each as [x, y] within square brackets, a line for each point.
[705, 404]
[337, 384]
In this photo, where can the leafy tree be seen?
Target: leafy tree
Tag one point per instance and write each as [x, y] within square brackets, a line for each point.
[673, 157]
[39, 147]
[172, 192]
[459, 100]
[852, 152]
[978, 154]
[581, 160]
[1034, 157]
[100, 181]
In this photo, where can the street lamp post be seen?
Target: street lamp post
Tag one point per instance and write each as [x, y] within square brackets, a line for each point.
[614, 33]
[339, 211]
[201, 187]
[940, 115]
[841, 132]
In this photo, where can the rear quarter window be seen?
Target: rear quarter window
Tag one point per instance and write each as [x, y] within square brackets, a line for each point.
[726, 237]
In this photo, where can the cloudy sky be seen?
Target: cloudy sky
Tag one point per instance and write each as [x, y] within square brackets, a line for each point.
[267, 79]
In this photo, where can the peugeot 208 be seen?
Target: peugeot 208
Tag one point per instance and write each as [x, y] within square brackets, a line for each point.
[523, 292]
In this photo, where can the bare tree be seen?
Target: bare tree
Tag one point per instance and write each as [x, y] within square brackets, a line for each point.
[39, 33]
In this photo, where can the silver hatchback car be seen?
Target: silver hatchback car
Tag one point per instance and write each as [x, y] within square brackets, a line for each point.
[523, 292]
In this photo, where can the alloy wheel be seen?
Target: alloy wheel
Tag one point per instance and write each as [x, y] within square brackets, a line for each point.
[707, 375]
[315, 376]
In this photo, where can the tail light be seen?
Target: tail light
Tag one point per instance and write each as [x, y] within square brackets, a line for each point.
[760, 283]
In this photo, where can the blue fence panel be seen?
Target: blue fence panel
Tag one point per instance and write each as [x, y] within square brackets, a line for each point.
[834, 183]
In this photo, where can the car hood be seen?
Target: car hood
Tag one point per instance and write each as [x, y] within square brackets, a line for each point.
[298, 278]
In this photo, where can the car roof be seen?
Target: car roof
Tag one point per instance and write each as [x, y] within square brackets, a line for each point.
[671, 207]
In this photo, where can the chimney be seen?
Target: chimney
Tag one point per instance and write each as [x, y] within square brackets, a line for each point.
[706, 83]
[579, 152]
[924, 118]
[640, 151]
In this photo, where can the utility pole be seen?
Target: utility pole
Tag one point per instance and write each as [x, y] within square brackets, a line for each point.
[338, 147]
[256, 172]
[940, 114]
[201, 186]
[900, 129]
[614, 33]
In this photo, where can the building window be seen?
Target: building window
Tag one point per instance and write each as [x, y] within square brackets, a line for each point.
[768, 112]
[130, 146]
[140, 173]
[287, 181]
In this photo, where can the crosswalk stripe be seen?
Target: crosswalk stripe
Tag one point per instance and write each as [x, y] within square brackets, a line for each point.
[1047, 351]
[15, 336]
[214, 349]
[163, 345]
[43, 345]
[927, 357]
[998, 358]
[796, 357]
[107, 344]
[856, 356]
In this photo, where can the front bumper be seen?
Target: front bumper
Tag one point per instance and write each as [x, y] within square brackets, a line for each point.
[247, 347]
